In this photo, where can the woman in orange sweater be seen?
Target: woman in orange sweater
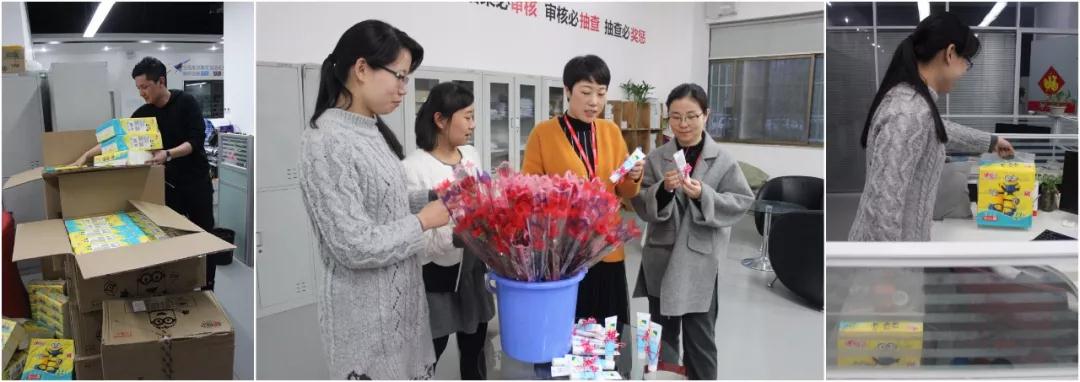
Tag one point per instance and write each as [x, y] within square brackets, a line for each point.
[590, 147]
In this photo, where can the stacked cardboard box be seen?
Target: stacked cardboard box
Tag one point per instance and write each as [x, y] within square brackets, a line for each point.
[172, 262]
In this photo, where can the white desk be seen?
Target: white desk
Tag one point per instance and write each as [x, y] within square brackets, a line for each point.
[967, 230]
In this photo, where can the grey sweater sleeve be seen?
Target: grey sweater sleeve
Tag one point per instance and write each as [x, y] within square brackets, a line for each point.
[891, 159]
[334, 194]
[963, 139]
[645, 203]
[723, 205]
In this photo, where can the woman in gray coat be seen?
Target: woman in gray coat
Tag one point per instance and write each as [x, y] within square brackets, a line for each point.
[906, 138]
[690, 223]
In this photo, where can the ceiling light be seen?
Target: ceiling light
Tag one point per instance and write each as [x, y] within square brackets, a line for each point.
[54, 42]
[99, 17]
[145, 41]
[163, 47]
[993, 14]
[106, 48]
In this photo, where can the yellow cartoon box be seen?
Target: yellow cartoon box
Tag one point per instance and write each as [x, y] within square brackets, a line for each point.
[1006, 193]
[880, 343]
[49, 359]
[125, 126]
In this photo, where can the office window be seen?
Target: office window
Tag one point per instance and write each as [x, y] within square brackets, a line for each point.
[766, 100]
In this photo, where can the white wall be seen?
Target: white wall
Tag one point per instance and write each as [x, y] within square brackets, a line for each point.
[119, 66]
[467, 35]
[239, 57]
[758, 10]
[774, 160]
[780, 160]
[16, 28]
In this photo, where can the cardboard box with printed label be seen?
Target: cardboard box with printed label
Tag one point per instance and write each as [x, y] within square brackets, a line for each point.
[1006, 194]
[88, 367]
[182, 336]
[86, 192]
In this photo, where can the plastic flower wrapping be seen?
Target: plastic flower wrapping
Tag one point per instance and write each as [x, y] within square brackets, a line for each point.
[534, 227]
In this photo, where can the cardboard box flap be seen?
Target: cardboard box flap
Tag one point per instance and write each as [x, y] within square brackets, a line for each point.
[64, 147]
[179, 316]
[40, 239]
[23, 177]
[144, 255]
[165, 217]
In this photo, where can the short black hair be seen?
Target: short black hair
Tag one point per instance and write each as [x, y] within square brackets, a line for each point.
[446, 99]
[695, 92]
[151, 67]
[585, 68]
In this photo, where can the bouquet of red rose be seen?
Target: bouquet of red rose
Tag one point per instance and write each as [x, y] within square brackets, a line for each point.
[533, 227]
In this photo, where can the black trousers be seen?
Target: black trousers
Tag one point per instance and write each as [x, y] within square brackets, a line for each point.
[699, 334]
[471, 346]
[195, 200]
[603, 293]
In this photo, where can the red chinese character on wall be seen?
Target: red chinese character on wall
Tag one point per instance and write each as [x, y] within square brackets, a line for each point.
[637, 35]
[530, 8]
[583, 20]
[517, 7]
[594, 23]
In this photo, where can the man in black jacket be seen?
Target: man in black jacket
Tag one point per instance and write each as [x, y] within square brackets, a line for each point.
[187, 172]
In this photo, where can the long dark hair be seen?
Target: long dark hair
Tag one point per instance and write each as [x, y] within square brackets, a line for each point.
[379, 44]
[446, 99]
[933, 34]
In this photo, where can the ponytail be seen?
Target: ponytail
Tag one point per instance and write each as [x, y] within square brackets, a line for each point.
[379, 44]
[934, 34]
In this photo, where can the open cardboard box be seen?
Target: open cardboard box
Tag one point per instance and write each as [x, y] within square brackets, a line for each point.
[91, 192]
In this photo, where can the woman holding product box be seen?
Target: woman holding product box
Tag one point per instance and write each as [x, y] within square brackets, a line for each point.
[584, 144]
[372, 307]
[690, 219]
[905, 137]
[453, 278]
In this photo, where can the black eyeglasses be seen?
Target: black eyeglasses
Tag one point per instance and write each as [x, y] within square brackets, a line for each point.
[402, 78]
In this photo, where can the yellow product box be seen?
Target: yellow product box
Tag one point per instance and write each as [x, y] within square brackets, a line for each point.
[153, 231]
[14, 59]
[35, 329]
[132, 141]
[14, 368]
[1007, 191]
[125, 126]
[55, 286]
[14, 338]
[49, 359]
[122, 158]
[880, 343]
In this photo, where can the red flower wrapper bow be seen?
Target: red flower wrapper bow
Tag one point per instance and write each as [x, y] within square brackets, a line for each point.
[534, 227]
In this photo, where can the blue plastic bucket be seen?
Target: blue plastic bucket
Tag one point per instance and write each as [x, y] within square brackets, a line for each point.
[536, 319]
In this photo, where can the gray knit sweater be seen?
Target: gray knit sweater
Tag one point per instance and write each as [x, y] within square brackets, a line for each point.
[903, 165]
[372, 308]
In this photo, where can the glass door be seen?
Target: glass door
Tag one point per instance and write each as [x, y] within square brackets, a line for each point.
[554, 98]
[499, 102]
[528, 111]
[419, 87]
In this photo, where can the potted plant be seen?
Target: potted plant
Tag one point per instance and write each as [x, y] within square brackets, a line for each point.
[1059, 101]
[1048, 192]
[636, 109]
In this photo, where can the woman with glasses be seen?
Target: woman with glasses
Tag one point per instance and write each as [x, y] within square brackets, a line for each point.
[582, 143]
[905, 137]
[372, 308]
[690, 219]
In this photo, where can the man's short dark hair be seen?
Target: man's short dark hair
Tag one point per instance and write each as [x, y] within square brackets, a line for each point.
[151, 67]
[585, 68]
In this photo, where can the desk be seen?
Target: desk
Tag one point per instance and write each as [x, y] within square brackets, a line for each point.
[968, 230]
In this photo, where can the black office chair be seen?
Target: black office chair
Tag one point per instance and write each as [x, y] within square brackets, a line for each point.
[806, 191]
[797, 253]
